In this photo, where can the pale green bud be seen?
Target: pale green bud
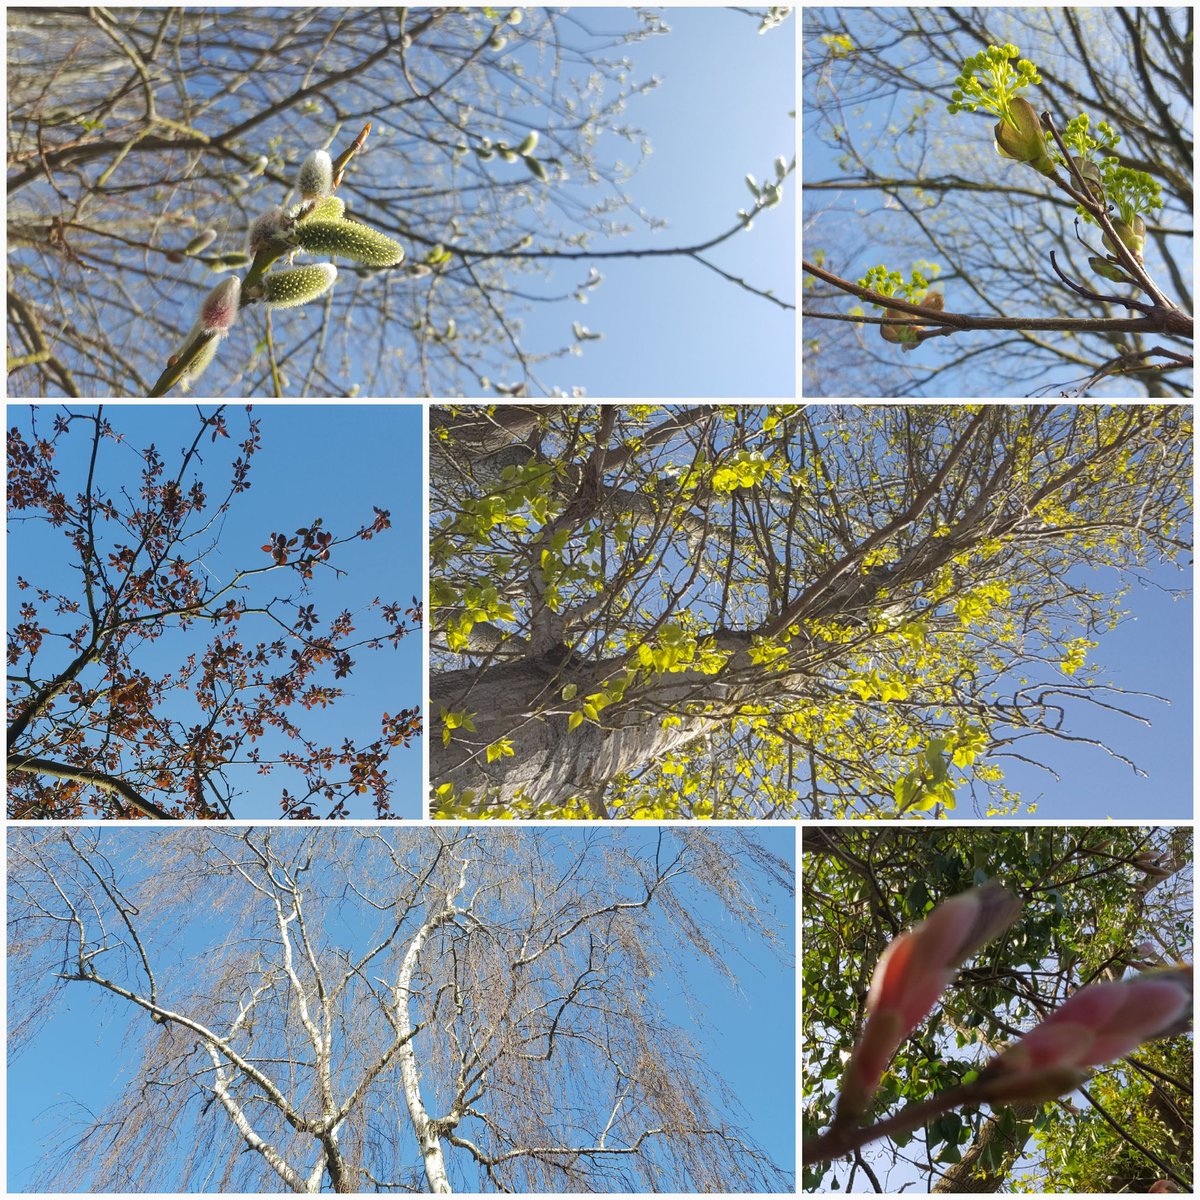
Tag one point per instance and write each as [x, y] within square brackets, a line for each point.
[201, 241]
[536, 169]
[507, 153]
[260, 165]
[230, 262]
[287, 289]
[529, 145]
[1023, 138]
[349, 239]
[1134, 236]
[203, 357]
[1107, 270]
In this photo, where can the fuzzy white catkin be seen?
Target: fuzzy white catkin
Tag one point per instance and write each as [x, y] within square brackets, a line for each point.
[268, 229]
[220, 307]
[316, 175]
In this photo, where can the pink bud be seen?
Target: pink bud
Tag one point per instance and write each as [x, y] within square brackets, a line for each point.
[1098, 1024]
[911, 974]
[220, 307]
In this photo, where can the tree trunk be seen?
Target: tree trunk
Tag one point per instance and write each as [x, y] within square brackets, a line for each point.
[549, 764]
[971, 1175]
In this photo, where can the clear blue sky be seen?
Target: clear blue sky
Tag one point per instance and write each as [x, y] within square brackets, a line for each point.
[316, 460]
[673, 328]
[747, 1034]
[1150, 652]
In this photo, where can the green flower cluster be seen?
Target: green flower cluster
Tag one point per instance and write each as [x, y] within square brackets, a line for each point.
[1019, 132]
[905, 327]
[1001, 81]
[892, 283]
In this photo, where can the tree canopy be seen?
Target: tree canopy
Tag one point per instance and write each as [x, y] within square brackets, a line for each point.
[499, 170]
[904, 180]
[788, 611]
[1098, 902]
[375, 1008]
[164, 663]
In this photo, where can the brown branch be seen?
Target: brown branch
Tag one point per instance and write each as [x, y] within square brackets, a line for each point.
[1166, 321]
[107, 783]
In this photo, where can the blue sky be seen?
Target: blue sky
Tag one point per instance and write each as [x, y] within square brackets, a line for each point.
[673, 328]
[315, 461]
[1150, 651]
[747, 1033]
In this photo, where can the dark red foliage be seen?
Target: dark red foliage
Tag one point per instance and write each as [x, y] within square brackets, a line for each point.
[92, 728]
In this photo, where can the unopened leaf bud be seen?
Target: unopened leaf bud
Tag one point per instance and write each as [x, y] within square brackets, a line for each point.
[1107, 270]
[201, 241]
[260, 165]
[230, 262]
[1133, 235]
[529, 144]
[315, 177]
[536, 169]
[1020, 136]
[287, 289]
[350, 239]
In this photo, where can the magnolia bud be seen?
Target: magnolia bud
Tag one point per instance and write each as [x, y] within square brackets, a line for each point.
[270, 231]
[316, 175]
[220, 306]
[287, 289]
[1107, 270]
[349, 239]
[201, 241]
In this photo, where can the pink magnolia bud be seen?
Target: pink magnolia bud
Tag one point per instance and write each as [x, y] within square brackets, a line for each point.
[220, 307]
[1098, 1024]
[911, 974]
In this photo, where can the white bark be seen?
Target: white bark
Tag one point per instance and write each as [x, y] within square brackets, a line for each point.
[424, 1126]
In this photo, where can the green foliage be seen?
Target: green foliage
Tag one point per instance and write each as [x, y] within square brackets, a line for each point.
[1078, 1151]
[1087, 905]
[890, 693]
